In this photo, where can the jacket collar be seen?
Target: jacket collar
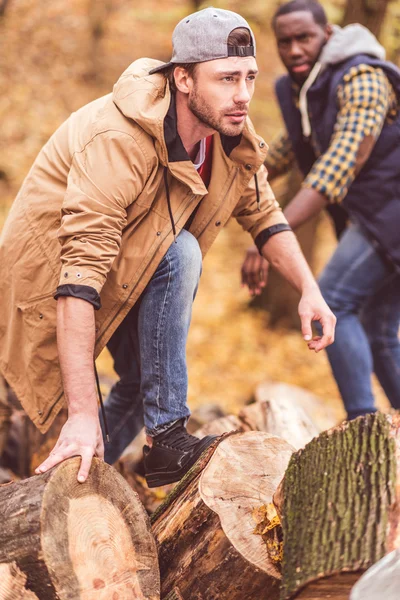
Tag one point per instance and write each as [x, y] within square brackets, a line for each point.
[147, 100]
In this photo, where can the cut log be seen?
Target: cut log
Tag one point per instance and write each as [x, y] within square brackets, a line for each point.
[340, 507]
[26, 447]
[205, 529]
[74, 541]
[283, 417]
[5, 415]
[6, 476]
[204, 414]
[322, 413]
[174, 595]
[12, 584]
[221, 425]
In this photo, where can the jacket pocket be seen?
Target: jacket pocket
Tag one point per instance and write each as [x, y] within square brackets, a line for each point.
[39, 349]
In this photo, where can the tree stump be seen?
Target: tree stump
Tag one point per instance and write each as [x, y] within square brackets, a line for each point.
[75, 541]
[339, 507]
[205, 529]
[12, 584]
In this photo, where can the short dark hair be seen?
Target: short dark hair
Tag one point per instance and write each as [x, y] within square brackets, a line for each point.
[237, 37]
[312, 6]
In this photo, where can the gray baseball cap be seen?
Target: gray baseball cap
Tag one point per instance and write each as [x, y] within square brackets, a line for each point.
[203, 36]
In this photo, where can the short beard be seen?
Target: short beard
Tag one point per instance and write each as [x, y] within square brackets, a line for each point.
[210, 118]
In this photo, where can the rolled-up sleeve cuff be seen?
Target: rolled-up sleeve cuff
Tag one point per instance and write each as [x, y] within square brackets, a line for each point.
[265, 234]
[84, 292]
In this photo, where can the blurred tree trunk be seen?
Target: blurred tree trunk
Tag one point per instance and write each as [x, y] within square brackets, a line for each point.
[98, 11]
[370, 13]
[3, 6]
[278, 297]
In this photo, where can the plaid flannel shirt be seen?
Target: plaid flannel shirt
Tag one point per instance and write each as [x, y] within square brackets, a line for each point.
[366, 101]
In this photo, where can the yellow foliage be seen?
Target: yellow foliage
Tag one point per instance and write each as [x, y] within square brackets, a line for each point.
[52, 61]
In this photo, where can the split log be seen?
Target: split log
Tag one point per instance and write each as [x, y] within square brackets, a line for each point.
[75, 541]
[205, 529]
[283, 417]
[12, 584]
[323, 415]
[203, 414]
[339, 507]
[221, 425]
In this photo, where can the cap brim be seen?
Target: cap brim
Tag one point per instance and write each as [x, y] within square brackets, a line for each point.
[160, 68]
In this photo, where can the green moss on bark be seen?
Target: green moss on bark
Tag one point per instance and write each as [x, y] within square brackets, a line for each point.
[337, 492]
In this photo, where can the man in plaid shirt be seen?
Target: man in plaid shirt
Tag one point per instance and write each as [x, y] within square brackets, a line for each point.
[339, 102]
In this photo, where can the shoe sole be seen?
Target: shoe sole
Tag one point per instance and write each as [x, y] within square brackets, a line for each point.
[158, 479]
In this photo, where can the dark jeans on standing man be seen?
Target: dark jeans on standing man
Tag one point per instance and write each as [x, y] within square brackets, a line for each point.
[363, 291]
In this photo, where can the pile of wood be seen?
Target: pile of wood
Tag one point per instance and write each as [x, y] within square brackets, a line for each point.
[78, 541]
[274, 510]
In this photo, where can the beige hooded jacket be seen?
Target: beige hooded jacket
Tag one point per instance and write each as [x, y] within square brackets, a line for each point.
[93, 212]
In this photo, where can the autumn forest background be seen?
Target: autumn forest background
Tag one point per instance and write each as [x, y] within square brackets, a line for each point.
[56, 56]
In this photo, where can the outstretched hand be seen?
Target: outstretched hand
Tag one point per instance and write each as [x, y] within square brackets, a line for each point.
[313, 307]
[254, 271]
[80, 436]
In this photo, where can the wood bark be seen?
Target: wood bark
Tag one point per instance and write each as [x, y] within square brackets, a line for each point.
[12, 584]
[370, 13]
[339, 506]
[74, 541]
[205, 529]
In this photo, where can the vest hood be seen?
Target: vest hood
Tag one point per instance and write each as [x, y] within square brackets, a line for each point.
[349, 41]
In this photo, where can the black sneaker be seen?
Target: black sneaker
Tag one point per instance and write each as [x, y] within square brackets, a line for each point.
[173, 453]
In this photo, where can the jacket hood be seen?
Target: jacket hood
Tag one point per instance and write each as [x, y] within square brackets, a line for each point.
[145, 99]
[349, 41]
[343, 44]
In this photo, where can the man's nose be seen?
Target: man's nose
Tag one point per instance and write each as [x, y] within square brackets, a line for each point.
[295, 50]
[242, 95]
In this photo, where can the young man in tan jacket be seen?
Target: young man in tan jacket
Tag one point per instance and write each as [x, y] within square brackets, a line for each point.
[113, 220]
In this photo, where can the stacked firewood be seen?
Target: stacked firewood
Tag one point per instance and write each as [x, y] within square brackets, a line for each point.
[275, 509]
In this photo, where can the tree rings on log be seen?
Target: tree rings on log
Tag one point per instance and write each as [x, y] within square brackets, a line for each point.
[205, 529]
[12, 584]
[74, 541]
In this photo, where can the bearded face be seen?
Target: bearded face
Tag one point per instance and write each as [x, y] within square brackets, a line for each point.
[221, 92]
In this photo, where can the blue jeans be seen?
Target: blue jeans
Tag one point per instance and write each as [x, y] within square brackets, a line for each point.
[149, 351]
[363, 291]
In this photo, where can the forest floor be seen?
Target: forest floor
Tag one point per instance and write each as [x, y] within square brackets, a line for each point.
[50, 65]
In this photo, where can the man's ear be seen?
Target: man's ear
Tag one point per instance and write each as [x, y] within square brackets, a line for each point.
[183, 81]
[328, 31]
